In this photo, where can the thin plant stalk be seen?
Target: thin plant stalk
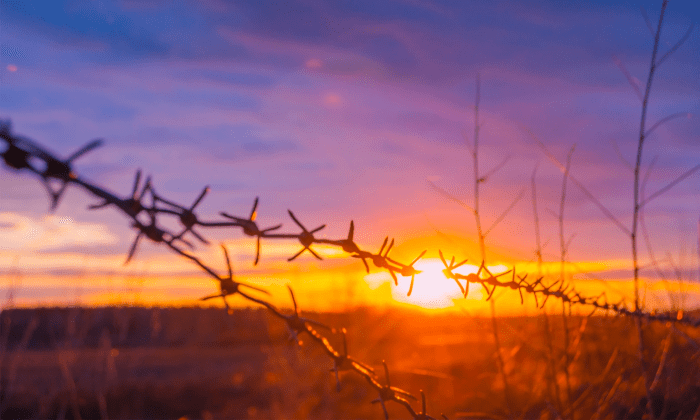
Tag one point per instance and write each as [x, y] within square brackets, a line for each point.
[647, 240]
[562, 266]
[637, 207]
[638, 164]
[499, 357]
[536, 216]
[554, 385]
[477, 179]
[482, 243]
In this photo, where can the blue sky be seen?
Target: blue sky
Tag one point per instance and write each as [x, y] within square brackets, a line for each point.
[344, 110]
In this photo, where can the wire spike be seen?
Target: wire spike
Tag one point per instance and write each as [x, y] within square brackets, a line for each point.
[317, 229]
[364, 261]
[137, 180]
[391, 245]
[383, 245]
[442, 258]
[418, 258]
[386, 372]
[88, 147]
[146, 187]
[460, 264]
[296, 255]
[296, 221]
[132, 250]
[270, 229]
[201, 196]
[312, 252]
[257, 250]
[393, 275]
[294, 301]
[253, 212]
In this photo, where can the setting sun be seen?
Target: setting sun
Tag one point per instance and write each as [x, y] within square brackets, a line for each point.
[206, 206]
[431, 288]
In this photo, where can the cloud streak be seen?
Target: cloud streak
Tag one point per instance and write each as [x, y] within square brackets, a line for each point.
[343, 110]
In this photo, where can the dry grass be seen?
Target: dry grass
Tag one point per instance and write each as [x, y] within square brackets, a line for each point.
[195, 363]
[245, 367]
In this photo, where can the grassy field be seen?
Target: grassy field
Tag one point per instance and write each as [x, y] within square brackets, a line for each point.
[208, 363]
[244, 366]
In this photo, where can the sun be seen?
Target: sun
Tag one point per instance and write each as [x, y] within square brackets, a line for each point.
[431, 288]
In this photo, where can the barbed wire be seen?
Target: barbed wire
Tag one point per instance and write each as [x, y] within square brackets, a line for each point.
[565, 292]
[22, 154]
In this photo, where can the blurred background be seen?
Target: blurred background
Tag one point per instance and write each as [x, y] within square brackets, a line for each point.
[340, 111]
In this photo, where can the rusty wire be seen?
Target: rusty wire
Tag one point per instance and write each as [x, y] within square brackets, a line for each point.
[565, 292]
[21, 151]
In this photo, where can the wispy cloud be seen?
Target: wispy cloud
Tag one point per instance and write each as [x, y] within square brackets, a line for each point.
[343, 110]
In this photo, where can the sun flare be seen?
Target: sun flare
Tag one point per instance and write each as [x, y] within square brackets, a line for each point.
[431, 288]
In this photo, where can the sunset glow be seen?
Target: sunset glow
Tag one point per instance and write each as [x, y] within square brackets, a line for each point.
[362, 209]
[431, 288]
[346, 113]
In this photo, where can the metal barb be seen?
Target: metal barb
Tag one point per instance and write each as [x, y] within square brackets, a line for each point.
[21, 151]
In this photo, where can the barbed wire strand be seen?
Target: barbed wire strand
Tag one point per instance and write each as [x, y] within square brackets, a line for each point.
[21, 153]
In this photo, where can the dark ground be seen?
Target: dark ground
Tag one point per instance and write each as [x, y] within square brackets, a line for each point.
[203, 363]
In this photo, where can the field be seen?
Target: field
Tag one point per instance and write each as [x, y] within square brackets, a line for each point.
[579, 297]
[200, 363]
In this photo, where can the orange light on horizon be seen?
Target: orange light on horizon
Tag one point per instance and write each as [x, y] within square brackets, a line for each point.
[431, 289]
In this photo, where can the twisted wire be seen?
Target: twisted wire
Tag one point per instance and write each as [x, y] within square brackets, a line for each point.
[22, 152]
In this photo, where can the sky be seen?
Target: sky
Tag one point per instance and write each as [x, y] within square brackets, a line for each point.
[339, 111]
